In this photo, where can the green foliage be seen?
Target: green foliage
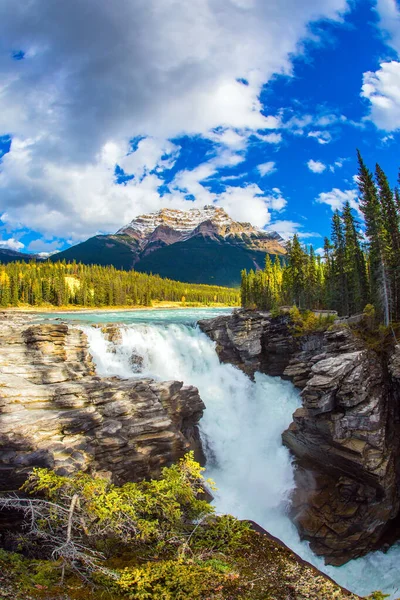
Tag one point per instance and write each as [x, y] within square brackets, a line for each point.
[30, 573]
[306, 321]
[223, 534]
[62, 284]
[152, 511]
[377, 596]
[175, 544]
[172, 580]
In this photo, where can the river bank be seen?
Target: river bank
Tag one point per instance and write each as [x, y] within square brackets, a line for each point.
[48, 308]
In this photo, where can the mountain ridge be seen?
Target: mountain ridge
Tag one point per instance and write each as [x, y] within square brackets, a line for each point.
[211, 221]
[194, 246]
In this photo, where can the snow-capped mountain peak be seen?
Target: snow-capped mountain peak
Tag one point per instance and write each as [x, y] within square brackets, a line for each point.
[186, 222]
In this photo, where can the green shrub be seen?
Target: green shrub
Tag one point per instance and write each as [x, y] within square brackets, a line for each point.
[172, 580]
[307, 321]
[161, 538]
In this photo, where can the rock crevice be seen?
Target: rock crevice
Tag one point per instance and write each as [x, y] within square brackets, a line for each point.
[345, 437]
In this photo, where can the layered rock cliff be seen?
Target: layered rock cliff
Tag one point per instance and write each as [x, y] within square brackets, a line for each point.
[346, 435]
[55, 412]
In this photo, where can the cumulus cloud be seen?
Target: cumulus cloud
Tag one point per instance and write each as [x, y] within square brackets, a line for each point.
[275, 200]
[336, 198]
[382, 87]
[382, 90]
[11, 244]
[247, 203]
[389, 14]
[266, 168]
[316, 166]
[95, 74]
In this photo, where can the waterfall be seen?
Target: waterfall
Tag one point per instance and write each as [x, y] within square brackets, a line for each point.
[241, 432]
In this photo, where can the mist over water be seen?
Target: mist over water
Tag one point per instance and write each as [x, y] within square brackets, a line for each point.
[241, 432]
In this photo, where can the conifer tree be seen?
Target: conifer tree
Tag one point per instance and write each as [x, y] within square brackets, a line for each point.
[340, 289]
[354, 263]
[371, 208]
[296, 271]
[390, 239]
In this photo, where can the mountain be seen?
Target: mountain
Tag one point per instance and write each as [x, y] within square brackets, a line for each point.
[7, 256]
[197, 246]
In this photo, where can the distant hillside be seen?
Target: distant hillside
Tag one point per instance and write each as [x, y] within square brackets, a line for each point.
[7, 256]
[196, 246]
[64, 284]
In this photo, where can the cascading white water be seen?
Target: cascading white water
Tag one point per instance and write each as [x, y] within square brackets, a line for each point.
[241, 430]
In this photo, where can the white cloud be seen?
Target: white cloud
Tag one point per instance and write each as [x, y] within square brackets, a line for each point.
[322, 137]
[336, 199]
[275, 200]
[287, 229]
[96, 75]
[389, 13]
[312, 124]
[271, 138]
[248, 204]
[266, 168]
[44, 247]
[316, 166]
[339, 162]
[382, 89]
[11, 244]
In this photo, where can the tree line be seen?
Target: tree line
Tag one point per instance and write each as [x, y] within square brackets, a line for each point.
[358, 266]
[63, 284]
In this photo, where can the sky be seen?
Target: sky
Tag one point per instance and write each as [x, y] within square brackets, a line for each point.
[109, 110]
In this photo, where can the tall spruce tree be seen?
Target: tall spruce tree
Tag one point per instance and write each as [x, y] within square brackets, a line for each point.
[296, 272]
[354, 263]
[371, 208]
[340, 288]
[390, 239]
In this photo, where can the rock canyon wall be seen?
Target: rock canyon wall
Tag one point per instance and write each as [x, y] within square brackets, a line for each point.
[55, 412]
[346, 435]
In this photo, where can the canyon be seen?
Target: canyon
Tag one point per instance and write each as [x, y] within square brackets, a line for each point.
[345, 437]
[60, 408]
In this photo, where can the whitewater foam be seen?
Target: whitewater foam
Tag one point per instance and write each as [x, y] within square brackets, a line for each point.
[241, 430]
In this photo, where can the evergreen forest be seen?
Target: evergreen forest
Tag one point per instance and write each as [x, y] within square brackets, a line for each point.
[359, 267]
[64, 284]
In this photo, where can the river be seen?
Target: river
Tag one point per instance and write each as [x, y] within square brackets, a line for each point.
[241, 428]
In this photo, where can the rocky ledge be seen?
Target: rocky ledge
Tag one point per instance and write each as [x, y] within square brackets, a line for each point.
[55, 412]
[346, 435]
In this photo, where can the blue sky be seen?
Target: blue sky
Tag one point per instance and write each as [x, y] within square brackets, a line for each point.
[110, 111]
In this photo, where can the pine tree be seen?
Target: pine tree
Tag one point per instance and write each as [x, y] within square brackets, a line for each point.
[371, 208]
[354, 263]
[340, 285]
[296, 272]
[390, 239]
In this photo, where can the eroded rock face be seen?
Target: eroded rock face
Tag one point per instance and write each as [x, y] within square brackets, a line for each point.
[346, 435]
[55, 412]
